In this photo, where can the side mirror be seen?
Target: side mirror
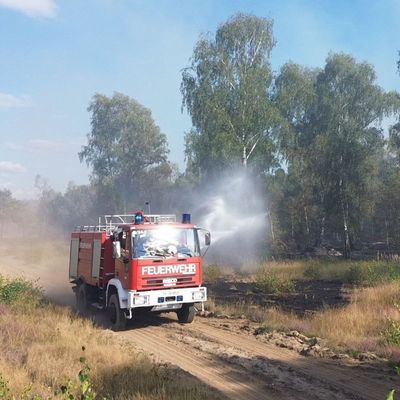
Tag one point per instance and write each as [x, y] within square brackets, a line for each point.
[207, 238]
[116, 249]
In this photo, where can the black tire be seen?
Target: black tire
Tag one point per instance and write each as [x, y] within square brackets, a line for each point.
[186, 313]
[82, 304]
[115, 314]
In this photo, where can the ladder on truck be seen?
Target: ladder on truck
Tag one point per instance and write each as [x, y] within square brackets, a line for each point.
[107, 223]
[111, 221]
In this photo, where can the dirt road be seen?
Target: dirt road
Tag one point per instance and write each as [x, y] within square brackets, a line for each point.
[242, 367]
[233, 361]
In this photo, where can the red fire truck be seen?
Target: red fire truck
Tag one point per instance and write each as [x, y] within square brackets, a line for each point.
[131, 263]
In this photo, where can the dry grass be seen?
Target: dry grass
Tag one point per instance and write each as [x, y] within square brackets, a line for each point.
[361, 325]
[282, 269]
[370, 322]
[365, 324]
[40, 344]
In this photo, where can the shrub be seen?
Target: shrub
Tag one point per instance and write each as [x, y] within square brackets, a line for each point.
[392, 333]
[15, 290]
[268, 281]
[371, 273]
[313, 271]
[212, 273]
[356, 275]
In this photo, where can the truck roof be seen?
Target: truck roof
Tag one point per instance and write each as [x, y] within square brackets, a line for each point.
[108, 223]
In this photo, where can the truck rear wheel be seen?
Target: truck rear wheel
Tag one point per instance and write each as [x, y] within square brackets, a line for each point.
[186, 313]
[82, 304]
[116, 315]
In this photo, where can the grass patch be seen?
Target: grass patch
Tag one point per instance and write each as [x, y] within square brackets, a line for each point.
[361, 273]
[40, 353]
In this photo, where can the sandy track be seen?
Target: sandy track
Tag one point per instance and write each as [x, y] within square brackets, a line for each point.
[242, 367]
[224, 377]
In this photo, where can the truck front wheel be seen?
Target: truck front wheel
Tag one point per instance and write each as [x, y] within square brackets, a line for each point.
[116, 315]
[186, 313]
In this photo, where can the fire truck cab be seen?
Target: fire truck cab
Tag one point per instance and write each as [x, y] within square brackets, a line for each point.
[131, 263]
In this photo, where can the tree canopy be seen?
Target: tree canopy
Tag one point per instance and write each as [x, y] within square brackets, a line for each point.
[226, 91]
[126, 150]
[331, 139]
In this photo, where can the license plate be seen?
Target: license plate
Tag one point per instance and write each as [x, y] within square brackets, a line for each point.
[170, 281]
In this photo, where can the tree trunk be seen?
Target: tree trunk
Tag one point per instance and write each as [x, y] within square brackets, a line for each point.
[321, 235]
[387, 233]
[244, 157]
[271, 225]
[347, 247]
[306, 218]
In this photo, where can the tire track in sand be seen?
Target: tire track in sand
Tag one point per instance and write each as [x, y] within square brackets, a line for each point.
[227, 379]
[297, 377]
[360, 384]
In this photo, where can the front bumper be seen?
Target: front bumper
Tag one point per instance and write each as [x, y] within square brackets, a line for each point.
[166, 299]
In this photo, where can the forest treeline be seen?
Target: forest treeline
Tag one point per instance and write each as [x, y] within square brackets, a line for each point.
[312, 137]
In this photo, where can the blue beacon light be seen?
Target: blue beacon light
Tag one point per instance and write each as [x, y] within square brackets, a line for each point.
[139, 218]
[185, 218]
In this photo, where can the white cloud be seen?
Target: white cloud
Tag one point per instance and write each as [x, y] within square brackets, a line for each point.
[13, 146]
[43, 144]
[11, 101]
[32, 8]
[35, 145]
[11, 167]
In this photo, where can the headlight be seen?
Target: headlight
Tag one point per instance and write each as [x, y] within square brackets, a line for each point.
[140, 300]
[197, 296]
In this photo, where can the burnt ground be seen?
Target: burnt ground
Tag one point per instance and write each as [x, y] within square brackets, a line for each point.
[308, 296]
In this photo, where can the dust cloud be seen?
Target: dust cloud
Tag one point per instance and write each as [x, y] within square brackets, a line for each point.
[37, 252]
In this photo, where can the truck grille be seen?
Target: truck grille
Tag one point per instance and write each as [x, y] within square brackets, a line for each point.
[181, 281]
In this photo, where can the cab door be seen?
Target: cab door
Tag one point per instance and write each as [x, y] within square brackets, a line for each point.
[123, 264]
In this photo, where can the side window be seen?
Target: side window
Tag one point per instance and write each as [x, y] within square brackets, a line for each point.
[125, 245]
[122, 240]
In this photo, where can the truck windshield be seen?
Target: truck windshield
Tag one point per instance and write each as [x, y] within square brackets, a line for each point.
[165, 242]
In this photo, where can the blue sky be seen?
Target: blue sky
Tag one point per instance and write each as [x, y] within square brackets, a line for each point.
[55, 54]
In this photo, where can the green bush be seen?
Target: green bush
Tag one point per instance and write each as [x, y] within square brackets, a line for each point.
[212, 273]
[313, 271]
[357, 275]
[13, 291]
[391, 334]
[268, 281]
[370, 273]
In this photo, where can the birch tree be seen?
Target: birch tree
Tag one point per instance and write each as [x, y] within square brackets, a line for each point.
[226, 91]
